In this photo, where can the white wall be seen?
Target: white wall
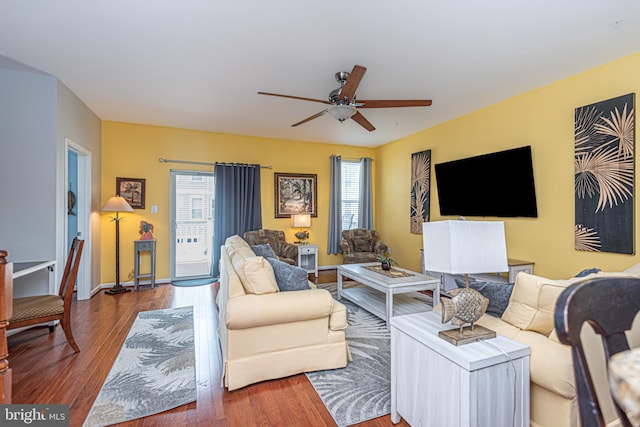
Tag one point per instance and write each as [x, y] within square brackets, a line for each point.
[37, 112]
[77, 122]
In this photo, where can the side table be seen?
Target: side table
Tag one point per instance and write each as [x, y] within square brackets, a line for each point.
[308, 259]
[144, 246]
[435, 383]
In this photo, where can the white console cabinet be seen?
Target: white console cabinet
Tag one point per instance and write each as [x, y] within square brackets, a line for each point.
[435, 383]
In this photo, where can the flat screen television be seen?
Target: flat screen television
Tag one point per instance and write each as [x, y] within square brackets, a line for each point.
[495, 184]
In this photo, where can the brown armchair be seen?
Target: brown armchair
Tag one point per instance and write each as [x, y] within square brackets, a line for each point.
[361, 245]
[286, 252]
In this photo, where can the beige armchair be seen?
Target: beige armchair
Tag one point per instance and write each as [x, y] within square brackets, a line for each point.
[286, 252]
[361, 245]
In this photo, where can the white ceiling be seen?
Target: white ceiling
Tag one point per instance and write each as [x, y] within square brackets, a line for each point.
[198, 64]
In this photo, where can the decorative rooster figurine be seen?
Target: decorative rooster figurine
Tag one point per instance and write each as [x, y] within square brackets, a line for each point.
[146, 230]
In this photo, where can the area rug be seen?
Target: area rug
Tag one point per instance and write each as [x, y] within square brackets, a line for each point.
[154, 371]
[362, 390]
[194, 282]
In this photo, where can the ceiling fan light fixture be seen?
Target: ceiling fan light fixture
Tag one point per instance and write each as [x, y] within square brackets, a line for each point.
[341, 112]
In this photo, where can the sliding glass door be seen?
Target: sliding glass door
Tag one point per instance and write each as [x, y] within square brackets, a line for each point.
[192, 202]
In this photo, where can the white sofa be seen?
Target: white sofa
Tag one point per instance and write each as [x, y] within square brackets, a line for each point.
[267, 334]
[528, 319]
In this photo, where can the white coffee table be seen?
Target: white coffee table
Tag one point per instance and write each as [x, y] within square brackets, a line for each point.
[377, 294]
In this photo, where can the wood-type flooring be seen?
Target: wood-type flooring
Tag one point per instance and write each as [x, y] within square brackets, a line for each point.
[47, 371]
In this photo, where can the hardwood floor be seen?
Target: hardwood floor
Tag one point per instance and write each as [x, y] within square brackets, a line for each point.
[47, 371]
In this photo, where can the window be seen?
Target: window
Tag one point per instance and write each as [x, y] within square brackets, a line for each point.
[196, 208]
[350, 188]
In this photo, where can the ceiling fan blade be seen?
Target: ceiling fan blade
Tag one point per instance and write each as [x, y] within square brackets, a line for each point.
[315, 116]
[359, 118]
[394, 103]
[352, 82]
[295, 97]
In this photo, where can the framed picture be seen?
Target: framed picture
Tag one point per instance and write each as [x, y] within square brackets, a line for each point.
[132, 190]
[295, 193]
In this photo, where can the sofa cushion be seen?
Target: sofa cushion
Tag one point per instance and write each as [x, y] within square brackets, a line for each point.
[264, 250]
[289, 277]
[497, 293]
[533, 301]
[236, 241]
[362, 245]
[258, 277]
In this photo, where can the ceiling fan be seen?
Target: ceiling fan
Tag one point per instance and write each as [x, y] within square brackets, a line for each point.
[343, 103]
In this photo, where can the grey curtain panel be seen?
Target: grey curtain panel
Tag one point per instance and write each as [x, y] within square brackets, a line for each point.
[335, 206]
[237, 204]
[365, 213]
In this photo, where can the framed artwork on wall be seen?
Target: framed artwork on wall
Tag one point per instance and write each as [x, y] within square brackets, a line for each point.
[420, 189]
[295, 193]
[132, 190]
[604, 157]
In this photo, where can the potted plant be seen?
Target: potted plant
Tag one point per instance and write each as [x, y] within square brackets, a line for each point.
[386, 262]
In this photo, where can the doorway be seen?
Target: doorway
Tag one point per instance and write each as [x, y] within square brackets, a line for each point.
[192, 204]
[78, 210]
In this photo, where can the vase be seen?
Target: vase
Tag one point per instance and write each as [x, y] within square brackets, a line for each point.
[385, 265]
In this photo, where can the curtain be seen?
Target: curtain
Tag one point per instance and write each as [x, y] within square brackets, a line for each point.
[365, 213]
[237, 204]
[335, 206]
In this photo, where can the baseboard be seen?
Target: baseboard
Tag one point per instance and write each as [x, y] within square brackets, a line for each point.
[130, 284]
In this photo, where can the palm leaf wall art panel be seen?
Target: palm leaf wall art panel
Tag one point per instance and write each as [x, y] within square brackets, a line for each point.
[420, 189]
[604, 144]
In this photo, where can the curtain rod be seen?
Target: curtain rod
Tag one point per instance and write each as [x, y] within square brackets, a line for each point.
[191, 162]
[352, 158]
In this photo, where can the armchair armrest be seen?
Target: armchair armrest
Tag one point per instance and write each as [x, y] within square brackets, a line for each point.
[379, 248]
[287, 250]
[250, 311]
[345, 247]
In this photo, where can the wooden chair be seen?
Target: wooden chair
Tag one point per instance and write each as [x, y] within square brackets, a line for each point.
[6, 295]
[609, 305]
[37, 309]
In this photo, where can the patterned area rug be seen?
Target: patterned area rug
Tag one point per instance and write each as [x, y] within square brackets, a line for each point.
[362, 390]
[154, 372]
[194, 282]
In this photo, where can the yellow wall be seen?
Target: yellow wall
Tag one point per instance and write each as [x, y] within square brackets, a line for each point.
[132, 151]
[542, 118]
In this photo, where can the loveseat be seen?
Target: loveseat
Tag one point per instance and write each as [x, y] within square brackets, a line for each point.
[266, 333]
[528, 319]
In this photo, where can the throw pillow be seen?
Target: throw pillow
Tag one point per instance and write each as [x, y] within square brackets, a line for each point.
[264, 250]
[361, 245]
[497, 293]
[533, 302]
[258, 276]
[289, 277]
[587, 271]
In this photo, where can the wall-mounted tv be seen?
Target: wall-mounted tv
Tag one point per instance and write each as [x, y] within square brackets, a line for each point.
[495, 184]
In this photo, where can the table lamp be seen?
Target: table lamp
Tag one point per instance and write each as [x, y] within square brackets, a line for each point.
[301, 221]
[117, 204]
[464, 247]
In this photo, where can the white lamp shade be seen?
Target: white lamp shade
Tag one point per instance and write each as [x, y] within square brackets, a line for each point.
[301, 220]
[117, 204]
[464, 247]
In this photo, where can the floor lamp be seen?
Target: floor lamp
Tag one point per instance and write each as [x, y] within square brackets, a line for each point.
[117, 204]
